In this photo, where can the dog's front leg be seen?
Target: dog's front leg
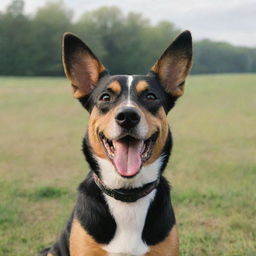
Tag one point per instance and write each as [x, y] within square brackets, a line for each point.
[168, 247]
[82, 244]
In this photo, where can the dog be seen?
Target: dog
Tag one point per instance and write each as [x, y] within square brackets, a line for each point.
[124, 206]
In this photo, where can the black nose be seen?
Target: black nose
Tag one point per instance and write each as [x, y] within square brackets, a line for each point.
[127, 117]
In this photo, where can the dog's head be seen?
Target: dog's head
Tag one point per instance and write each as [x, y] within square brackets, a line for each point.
[128, 133]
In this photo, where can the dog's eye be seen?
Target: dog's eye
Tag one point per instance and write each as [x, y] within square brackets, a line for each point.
[105, 97]
[151, 96]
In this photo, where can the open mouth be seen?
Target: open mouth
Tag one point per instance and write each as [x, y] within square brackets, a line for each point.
[128, 153]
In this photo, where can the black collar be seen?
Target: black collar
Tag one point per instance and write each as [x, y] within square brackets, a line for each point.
[126, 195]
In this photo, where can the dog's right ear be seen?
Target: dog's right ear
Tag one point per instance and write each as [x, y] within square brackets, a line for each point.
[81, 66]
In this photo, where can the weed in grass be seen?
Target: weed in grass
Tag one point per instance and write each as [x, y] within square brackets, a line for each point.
[47, 193]
[8, 215]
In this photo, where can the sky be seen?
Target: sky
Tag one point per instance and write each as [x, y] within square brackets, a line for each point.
[233, 21]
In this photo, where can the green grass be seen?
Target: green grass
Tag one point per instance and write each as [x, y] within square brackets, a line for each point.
[212, 169]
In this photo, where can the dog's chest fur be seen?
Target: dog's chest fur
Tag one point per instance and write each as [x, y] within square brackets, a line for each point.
[130, 219]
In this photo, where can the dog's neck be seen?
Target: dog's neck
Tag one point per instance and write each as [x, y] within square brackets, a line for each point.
[127, 195]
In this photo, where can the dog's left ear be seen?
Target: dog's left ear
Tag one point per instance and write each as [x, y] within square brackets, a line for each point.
[175, 64]
[81, 66]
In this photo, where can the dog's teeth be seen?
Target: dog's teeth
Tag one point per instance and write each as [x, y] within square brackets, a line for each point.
[143, 148]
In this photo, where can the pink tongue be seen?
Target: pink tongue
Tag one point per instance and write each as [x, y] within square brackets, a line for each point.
[127, 158]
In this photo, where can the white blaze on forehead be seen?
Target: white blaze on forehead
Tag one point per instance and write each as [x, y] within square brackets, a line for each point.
[129, 85]
[114, 130]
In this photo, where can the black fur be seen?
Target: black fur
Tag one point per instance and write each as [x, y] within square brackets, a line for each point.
[91, 209]
[93, 213]
[160, 218]
[166, 151]
[86, 147]
[163, 99]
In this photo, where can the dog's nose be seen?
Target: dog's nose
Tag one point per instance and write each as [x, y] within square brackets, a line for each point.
[127, 117]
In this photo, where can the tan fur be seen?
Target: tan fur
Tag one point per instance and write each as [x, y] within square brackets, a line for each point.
[95, 142]
[172, 70]
[157, 122]
[141, 86]
[168, 247]
[84, 74]
[82, 70]
[49, 254]
[115, 87]
[99, 122]
[82, 244]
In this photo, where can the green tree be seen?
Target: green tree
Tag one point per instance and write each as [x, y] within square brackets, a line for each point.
[219, 57]
[49, 24]
[101, 30]
[125, 44]
[31, 45]
[156, 39]
[15, 31]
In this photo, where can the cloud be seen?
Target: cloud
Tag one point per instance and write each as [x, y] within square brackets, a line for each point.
[235, 23]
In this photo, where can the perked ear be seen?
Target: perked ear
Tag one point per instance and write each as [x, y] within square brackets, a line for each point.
[81, 66]
[175, 64]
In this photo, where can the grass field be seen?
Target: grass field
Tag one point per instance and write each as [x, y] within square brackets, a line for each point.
[212, 169]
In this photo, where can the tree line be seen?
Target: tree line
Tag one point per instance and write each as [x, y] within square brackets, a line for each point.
[31, 45]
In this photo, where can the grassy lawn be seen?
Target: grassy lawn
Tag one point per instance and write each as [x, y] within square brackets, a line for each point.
[212, 169]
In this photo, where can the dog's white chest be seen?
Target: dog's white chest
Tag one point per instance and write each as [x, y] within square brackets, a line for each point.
[130, 220]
